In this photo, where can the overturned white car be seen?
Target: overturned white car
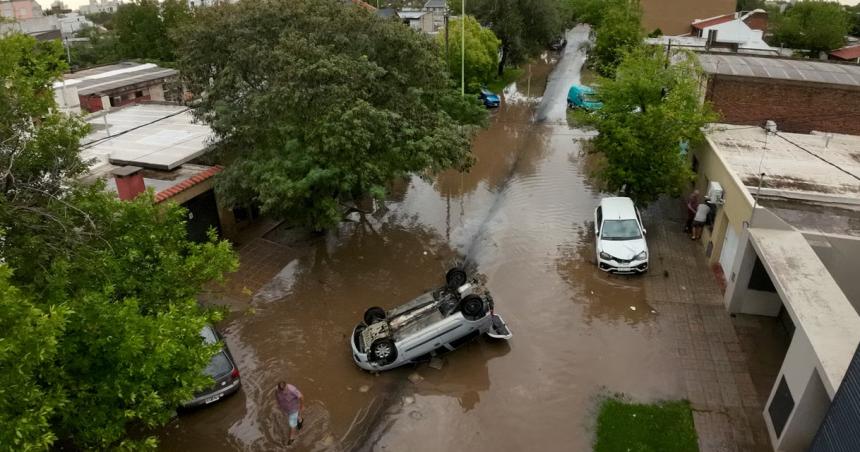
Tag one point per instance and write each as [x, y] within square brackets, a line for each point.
[435, 322]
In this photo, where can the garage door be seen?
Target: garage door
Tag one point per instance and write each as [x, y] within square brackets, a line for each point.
[730, 248]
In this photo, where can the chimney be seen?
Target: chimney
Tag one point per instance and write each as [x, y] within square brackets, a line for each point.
[129, 182]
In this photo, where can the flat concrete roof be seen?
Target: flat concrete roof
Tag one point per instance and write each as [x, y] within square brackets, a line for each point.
[155, 179]
[813, 298]
[781, 69]
[114, 76]
[148, 135]
[814, 167]
[816, 217]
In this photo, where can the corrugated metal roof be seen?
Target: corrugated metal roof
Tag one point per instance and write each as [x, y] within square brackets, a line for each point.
[782, 69]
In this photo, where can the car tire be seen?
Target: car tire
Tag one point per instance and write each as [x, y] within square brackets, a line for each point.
[455, 278]
[374, 315]
[473, 307]
[383, 351]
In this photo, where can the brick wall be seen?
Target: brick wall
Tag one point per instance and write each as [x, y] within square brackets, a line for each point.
[757, 21]
[795, 106]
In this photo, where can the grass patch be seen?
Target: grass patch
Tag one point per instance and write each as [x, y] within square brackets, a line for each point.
[509, 76]
[660, 427]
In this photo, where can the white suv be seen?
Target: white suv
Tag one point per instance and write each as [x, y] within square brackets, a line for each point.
[621, 246]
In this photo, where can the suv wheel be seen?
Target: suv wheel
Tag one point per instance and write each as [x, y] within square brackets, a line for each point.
[472, 307]
[374, 315]
[455, 278]
[383, 351]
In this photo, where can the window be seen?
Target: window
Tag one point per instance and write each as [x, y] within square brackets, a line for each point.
[760, 280]
[138, 94]
[620, 230]
[599, 216]
[780, 407]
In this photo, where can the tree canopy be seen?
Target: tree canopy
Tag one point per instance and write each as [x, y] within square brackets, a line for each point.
[321, 103]
[812, 25]
[618, 32]
[525, 27]
[97, 296]
[649, 109]
[482, 52]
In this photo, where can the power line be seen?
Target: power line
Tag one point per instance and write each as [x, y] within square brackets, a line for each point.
[820, 157]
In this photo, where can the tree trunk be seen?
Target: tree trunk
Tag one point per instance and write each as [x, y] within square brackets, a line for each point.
[503, 60]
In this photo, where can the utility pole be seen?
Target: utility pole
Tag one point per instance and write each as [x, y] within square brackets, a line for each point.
[463, 50]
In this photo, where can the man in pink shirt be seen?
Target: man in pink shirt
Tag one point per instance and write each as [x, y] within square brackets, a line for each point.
[292, 403]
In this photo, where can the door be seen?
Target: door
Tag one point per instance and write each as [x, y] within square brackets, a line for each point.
[730, 248]
[202, 215]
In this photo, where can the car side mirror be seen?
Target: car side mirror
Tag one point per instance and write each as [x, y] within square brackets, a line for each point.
[596, 230]
[644, 231]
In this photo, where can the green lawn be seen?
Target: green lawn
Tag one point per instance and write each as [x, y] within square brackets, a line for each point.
[633, 427]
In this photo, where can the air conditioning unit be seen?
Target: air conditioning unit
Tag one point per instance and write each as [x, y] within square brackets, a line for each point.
[715, 193]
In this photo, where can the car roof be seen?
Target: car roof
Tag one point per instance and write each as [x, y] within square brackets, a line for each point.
[617, 208]
[582, 88]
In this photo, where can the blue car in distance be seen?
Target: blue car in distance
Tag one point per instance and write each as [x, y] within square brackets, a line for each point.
[581, 96]
[489, 98]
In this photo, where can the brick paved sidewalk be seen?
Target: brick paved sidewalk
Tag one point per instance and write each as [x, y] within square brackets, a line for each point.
[727, 408]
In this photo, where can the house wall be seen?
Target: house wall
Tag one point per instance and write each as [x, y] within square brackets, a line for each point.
[839, 431]
[757, 21]
[795, 106]
[737, 206]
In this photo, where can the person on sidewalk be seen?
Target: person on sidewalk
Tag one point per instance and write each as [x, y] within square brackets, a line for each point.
[700, 219]
[292, 403]
[692, 206]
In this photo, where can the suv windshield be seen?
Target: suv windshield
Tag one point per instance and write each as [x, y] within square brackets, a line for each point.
[620, 230]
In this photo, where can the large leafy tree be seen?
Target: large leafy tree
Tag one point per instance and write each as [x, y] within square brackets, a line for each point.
[482, 51]
[142, 28]
[590, 11]
[618, 32]
[101, 325]
[812, 25]
[649, 109]
[524, 26]
[321, 103]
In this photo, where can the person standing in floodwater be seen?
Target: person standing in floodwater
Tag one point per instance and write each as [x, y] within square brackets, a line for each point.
[292, 403]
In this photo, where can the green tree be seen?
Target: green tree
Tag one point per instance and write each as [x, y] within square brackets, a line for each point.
[28, 345]
[749, 5]
[525, 27]
[142, 28]
[812, 25]
[322, 103]
[649, 109]
[853, 19]
[618, 33]
[105, 289]
[591, 11]
[482, 52]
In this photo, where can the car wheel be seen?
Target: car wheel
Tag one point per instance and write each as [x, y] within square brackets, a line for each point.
[455, 278]
[374, 315]
[472, 307]
[383, 351]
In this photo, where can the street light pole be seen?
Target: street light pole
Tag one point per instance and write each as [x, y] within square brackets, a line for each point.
[463, 50]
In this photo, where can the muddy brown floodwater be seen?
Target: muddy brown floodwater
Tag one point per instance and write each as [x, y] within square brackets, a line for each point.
[673, 17]
[522, 214]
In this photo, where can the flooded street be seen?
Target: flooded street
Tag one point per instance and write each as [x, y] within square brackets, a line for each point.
[523, 215]
[673, 17]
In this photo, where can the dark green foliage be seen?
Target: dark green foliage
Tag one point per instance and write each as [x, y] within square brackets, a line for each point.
[648, 110]
[660, 427]
[322, 103]
[749, 5]
[853, 19]
[812, 25]
[482, 51]
[618, 33]
[592, 12]
[100, 310]
[525, 27]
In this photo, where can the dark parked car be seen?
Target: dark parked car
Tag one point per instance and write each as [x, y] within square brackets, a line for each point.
[222, 368]
[489, 98]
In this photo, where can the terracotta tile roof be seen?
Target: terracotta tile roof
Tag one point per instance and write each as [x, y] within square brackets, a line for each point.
[164, 195]
[364, 5]
[704, 23]
[847, 53]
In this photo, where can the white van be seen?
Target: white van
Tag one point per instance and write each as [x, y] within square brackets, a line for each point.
[620, 237]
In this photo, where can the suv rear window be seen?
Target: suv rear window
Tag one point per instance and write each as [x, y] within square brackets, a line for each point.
[219, 366]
